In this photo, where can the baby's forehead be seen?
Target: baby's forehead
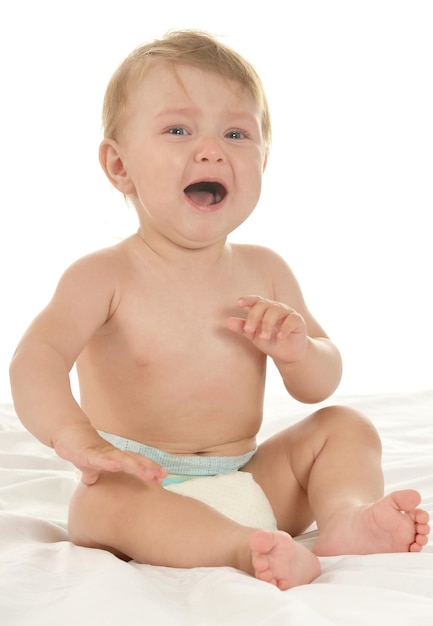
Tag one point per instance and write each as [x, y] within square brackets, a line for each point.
[169, 88]
[159, 69]
[184, 86]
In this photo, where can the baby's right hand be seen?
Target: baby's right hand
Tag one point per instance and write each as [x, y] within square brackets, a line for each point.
[91, 454]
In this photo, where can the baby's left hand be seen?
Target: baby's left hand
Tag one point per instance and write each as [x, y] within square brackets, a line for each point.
[273, 327]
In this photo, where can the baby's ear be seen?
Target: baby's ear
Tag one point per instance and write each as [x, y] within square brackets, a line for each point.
[113, 166]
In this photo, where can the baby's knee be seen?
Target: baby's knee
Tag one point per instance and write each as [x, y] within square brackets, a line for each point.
[80, 514]
[343, 419]
[87, 513]
[97, 513]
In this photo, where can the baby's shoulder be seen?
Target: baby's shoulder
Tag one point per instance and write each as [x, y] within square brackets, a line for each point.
[260, 255]
[107, 258]
[100, 267]
[268, 266]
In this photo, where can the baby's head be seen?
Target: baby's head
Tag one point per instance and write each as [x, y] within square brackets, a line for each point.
[193, 48]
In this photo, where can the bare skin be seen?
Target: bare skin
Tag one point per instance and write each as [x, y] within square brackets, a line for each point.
[367, 529]
[279, 560]
[171, 342]
[384, 526]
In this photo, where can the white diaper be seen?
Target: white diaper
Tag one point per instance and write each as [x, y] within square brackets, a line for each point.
[235, 495]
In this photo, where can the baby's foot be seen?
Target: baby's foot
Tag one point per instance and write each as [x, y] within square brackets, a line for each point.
[392, 524]
[279, 560]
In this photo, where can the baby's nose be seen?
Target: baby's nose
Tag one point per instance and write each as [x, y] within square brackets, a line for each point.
[210, 149]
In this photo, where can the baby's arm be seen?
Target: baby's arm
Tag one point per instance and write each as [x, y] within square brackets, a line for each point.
[39, 371]
[80, 444]
[309, 363]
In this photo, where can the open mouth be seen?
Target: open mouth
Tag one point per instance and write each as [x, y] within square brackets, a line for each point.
[206, 193]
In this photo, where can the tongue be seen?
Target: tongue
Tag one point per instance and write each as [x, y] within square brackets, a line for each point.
[205, 198]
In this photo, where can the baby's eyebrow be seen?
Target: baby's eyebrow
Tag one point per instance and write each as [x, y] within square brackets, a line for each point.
[237, 116]
[176, 111]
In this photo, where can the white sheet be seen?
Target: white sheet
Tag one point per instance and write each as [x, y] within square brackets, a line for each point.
[46, 581]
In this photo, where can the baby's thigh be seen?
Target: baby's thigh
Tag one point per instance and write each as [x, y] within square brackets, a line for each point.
[108, 514]
[274, 469]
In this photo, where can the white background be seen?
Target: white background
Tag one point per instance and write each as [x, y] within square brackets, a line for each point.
[347, 194]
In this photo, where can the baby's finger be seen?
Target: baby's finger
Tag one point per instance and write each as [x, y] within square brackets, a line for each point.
[293, 323]
[115, 460]
[89, 477]
[273, 320]
[143, 467]
[248, 301]
[257, 308]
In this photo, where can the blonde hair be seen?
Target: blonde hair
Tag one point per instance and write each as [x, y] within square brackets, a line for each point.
[190, 47]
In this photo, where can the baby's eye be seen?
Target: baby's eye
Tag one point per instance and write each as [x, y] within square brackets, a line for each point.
[177, 130]
[235, 134]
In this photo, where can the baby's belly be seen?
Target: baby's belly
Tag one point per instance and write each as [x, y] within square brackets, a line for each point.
[217, 415]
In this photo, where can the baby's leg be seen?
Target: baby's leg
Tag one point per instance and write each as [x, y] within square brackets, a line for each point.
[391, 524]
[149, 524]
[328, 468]
[346, 493]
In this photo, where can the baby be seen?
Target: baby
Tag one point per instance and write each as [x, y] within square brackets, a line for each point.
[170, 331]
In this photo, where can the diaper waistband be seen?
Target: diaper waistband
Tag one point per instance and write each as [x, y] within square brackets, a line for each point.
[182, 465]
